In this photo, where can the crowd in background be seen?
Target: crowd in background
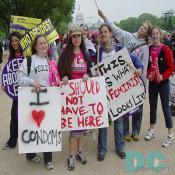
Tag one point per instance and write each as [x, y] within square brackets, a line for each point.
[93, 47]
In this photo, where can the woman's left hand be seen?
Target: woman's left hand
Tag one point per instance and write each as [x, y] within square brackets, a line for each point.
[85, 77]
[36, 86]
[138, 72]
[65, 80]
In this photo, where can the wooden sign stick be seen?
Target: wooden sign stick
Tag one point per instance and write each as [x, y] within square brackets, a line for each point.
[96, 4]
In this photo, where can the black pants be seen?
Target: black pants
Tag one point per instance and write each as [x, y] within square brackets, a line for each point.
[163, 90]
[47, 156]
[0, 58]
[13, 125]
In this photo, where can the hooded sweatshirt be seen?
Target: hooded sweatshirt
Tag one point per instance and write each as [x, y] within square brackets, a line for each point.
[39, 72]
[135, 45]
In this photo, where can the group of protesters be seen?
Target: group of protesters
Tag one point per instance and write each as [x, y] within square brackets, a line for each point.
[152, 62]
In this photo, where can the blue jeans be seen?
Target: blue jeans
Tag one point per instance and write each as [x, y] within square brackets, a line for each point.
[163, 90]
[136, 122]
[118, 137]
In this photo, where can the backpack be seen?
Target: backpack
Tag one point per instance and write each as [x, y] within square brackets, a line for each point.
[29, 61]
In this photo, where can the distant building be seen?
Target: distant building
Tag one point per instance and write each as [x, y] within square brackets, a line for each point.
[79, 19]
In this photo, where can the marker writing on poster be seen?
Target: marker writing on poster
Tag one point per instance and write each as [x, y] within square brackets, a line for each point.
[42, 137]
[38, 98]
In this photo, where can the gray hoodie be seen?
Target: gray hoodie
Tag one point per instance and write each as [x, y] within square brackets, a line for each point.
[134, 44]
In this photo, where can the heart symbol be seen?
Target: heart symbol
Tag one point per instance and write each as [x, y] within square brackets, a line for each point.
[38, 116]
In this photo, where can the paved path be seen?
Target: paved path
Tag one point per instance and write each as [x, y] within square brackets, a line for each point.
[11, 163]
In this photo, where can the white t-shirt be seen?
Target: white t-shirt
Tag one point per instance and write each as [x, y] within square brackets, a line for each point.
[106, 55]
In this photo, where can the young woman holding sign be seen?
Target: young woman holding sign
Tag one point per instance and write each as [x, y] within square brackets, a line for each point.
[37, 77]
[160, 68]
[107, 49]
[15, 52]
[136, 43]
[74, 63]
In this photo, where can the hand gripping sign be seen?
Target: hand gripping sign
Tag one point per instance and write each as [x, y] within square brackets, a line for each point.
[125, 91]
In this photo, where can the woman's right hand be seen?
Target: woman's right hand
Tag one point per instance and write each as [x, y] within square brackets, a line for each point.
[96, 74]
[138, 72]
[65, 80]
[101, 14]
[36, 86]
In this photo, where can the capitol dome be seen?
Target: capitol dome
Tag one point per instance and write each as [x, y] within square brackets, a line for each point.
[79, 19]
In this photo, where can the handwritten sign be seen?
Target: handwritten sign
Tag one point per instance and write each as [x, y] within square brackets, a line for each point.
[45, 27]
[84, 105]
[9, 77]
[22, 24]
[39, 120]
[124, 90]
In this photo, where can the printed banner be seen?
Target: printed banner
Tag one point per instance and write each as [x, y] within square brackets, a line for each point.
[22, 24]
[46, 28]
[39, 120]
[9, 77]
[84, 105]
[125, 91]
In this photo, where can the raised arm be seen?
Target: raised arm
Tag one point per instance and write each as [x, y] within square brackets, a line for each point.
[122, 36]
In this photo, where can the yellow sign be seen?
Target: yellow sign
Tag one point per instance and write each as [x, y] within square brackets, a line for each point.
[22, 24]
[45, 28]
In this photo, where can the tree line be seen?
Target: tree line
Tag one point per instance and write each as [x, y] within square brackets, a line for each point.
[131, 24]
[59, 12]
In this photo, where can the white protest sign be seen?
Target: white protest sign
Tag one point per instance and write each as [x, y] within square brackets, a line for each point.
[39, 120]
[84, 105]
[125, 91]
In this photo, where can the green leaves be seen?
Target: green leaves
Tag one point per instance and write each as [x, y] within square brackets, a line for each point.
[59, 11]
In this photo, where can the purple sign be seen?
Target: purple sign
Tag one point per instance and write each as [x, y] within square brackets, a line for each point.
[9, 77]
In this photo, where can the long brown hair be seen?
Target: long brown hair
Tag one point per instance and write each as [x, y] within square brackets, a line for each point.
[105, 25]
[149, 30]
[66, 58]
[12, 52]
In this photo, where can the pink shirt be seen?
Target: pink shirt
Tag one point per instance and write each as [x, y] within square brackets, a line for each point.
[79, 66]
[153, 71]
[155, 51]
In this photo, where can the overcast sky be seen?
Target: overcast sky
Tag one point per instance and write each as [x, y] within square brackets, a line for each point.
[117, 10]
